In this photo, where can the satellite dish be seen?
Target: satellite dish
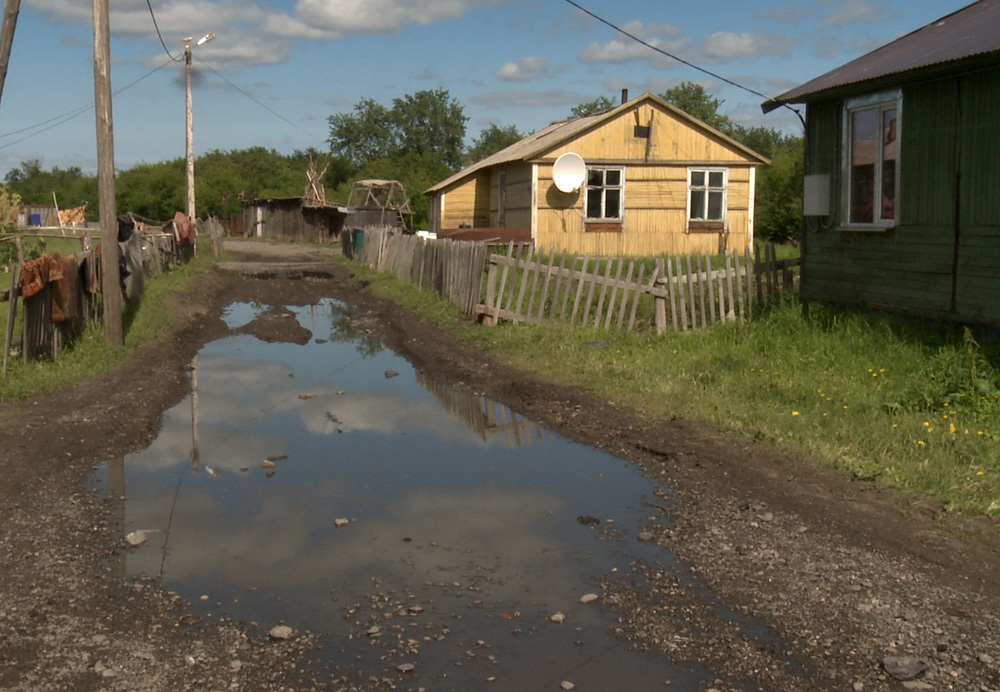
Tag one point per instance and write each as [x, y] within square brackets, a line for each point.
[569, 172]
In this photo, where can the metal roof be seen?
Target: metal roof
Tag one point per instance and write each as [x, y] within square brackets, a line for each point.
[548, 138]
[971, 32]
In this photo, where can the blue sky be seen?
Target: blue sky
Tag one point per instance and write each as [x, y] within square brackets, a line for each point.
[521, 62]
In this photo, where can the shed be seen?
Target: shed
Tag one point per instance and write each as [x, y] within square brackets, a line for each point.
[901, 191]
[657, 181]
[294, 218]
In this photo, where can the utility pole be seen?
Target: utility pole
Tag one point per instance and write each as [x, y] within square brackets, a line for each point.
[190, 122]
[10, 10]
[110, 286]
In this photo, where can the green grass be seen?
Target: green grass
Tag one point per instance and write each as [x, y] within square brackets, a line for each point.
[89, 354]
[882, 398]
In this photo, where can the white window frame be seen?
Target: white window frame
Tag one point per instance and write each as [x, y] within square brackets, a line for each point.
[621, 198]
[883, 101]
[707, 188]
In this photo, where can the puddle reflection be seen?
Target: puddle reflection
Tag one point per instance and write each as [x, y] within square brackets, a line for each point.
[462, 535]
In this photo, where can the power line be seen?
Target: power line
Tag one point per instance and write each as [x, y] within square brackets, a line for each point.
[254, 99]
[157, 27]
[679, 59]
[69, 115]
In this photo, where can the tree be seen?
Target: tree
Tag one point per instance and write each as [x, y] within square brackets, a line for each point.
[692, 98]
[779, 192]
[71, 186]
[492, 139]
[597, 105]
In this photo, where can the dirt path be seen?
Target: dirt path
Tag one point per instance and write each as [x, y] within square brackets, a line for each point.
[848, 581]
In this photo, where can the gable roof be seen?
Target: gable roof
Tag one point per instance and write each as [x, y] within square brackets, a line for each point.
[969, 34]
[560, 132]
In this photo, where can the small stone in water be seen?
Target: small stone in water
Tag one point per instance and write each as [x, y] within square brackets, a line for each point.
[406, 667]
[267, 464]
[567, 685]
[557, 618]
[588, 598]
[645, 536]
[280, 632]
[341, 522]
[136, 538]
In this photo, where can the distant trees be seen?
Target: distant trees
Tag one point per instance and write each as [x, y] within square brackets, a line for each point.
[72, 187]
[492, 139]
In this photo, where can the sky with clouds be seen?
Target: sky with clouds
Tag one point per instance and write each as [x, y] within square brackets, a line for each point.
[278, 68]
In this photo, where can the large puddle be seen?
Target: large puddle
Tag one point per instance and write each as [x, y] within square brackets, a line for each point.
[463, 526]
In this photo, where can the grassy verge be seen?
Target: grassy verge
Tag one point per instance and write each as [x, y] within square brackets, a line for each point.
[883, 398]
[89, 355]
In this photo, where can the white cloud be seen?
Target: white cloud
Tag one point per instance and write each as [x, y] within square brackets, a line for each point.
[725, 46]
[847, 12]
[341, 17]
[524, 70]
[624, 49]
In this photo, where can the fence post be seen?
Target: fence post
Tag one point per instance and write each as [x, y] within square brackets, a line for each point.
[659, 302]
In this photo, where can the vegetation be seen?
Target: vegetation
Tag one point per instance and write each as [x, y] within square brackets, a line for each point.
[887, 399]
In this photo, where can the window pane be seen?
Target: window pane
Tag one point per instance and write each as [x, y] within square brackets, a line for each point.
[697, 178]
[612, 204]
[715, 206]
[715, 178]
[889, 164]
[864, 129]
[697, 204]
[595, 177]
[594, 203]
[612, 177]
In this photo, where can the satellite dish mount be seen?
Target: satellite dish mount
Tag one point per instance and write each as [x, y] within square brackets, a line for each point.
[569, 172]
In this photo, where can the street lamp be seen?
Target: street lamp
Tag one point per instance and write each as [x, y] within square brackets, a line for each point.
[190, 123]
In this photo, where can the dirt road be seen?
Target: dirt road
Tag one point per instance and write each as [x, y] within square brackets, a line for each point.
[858, 589]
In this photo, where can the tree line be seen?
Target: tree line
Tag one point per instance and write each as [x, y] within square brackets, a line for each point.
[419, 139]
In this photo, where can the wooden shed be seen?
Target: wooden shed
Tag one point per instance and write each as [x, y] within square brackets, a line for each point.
[294, 218]
[657, 181]
[901, 196]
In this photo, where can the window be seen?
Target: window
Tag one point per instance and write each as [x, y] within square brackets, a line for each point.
[707, 196]
[605, 200]
[871, 185]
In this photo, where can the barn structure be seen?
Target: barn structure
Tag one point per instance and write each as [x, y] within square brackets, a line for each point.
[656, 181]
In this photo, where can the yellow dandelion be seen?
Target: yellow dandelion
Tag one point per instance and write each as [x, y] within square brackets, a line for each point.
[951, 428]
[930, 430]
[921, 443]
[795, 413]
[980, 472]
[926, 423]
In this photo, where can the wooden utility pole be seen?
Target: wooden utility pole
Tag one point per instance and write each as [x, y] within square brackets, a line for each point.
[110, 280]
[10, 10]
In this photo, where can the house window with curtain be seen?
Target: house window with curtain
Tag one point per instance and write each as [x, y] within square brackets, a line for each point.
[871, 152]
[604, 202]
[707, 193]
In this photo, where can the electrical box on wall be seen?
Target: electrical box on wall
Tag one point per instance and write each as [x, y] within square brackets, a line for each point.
[816, 195]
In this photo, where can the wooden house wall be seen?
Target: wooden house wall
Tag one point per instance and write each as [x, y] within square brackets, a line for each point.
[655, 215]
[467, 203]
[944, 125]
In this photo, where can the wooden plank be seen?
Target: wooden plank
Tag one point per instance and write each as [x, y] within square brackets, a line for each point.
[681, 298]
[524, 280]
[659, 302]
[749, 273]
[545, 285]
[604, 290]
[711, 289]
[773, 277]
[701, 276]
[579, 289]
[569, 286]
[723, 273]
[638, 292]
[691, 295]
[757, 272]
[555, 291]
[614, 293]
[503, 277]
[534, 283]
[15, 291]
[590, 291]
[673, 288]
[621, 309]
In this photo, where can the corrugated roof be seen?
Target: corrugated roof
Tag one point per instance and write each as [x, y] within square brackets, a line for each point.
[970, 32]
[550, 137]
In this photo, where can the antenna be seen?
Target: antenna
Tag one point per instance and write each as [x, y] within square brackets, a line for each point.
[569, 172]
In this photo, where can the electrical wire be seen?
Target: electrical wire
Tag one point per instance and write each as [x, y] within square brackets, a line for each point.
[157, 27]
[253, 98]
[679, 59]
[69, 115]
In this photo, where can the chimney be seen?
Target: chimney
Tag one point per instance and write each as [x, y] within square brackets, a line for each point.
[624, 96]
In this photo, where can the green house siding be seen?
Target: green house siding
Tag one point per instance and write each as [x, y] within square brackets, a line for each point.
[943, 257]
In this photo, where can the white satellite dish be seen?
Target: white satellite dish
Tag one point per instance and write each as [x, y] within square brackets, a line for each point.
[569, 172]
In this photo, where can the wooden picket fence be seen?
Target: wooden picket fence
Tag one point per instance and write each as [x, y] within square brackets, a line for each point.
[682, 293]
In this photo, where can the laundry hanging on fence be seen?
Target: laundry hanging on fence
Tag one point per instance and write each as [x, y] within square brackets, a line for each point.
[36, 273]
[66, 292]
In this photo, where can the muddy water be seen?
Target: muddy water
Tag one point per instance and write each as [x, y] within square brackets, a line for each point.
[462, 536]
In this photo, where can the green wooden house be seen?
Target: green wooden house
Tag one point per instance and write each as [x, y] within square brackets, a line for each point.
[902, 187]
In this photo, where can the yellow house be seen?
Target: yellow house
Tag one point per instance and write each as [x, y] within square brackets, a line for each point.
[654, 180]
